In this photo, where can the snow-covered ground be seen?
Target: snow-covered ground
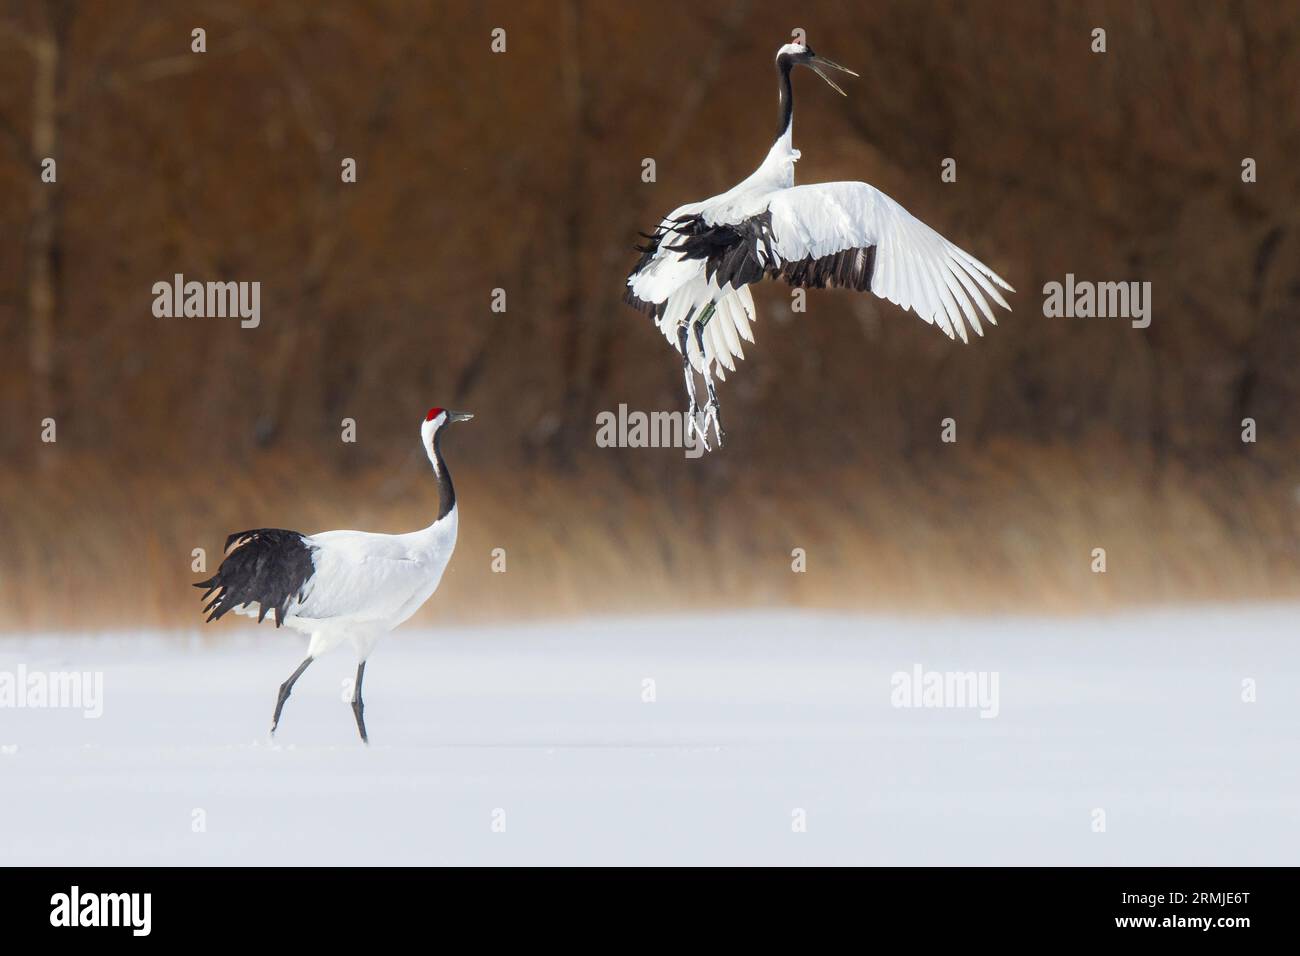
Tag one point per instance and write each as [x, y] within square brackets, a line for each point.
[535, 744]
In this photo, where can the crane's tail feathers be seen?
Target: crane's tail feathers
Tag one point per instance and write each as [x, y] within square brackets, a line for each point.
[268, 569]
[729, 324]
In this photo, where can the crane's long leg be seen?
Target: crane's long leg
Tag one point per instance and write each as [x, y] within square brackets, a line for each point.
[712, 413]
[285, 688]
[358, 706]
[692, 426]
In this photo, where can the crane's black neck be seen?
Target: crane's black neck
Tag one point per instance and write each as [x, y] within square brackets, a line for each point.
[446, 491]
[783, 66]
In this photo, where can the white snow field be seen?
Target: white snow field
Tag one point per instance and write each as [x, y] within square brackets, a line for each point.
[533, 745]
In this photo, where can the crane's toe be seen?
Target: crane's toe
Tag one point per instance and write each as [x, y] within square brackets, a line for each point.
[714, 416]
[693, 429]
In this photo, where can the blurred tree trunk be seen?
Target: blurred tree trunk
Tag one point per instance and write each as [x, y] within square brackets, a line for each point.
[573, 300]
[44, 232]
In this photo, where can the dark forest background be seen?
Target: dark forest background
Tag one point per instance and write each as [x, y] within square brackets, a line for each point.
[522, 171]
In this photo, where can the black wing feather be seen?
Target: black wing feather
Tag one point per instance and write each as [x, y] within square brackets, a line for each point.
[731, 257]
[652, 309]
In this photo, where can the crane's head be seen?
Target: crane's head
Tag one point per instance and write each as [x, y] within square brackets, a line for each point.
[437, 418]
[798, 53]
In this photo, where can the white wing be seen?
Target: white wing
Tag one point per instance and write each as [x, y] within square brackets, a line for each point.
[374, 577]
[843, 234]
[853, 234]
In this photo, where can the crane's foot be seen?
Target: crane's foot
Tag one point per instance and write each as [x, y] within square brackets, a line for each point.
[711, 415]
[693, 429]
[712, 412]
[359, 711]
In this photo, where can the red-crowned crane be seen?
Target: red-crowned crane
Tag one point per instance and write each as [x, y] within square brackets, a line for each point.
[697, 265]
[340, 586]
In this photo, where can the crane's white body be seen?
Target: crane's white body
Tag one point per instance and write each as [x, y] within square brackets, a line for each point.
[367, 584]
[682, 283]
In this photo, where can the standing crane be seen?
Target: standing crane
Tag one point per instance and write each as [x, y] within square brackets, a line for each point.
[697, 265]
[340, 586]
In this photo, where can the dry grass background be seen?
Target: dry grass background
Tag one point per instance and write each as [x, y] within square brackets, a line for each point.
[1009, 529]
[522, 171]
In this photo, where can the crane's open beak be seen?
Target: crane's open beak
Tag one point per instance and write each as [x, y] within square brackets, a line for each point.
[458, 416]
[819, 64]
